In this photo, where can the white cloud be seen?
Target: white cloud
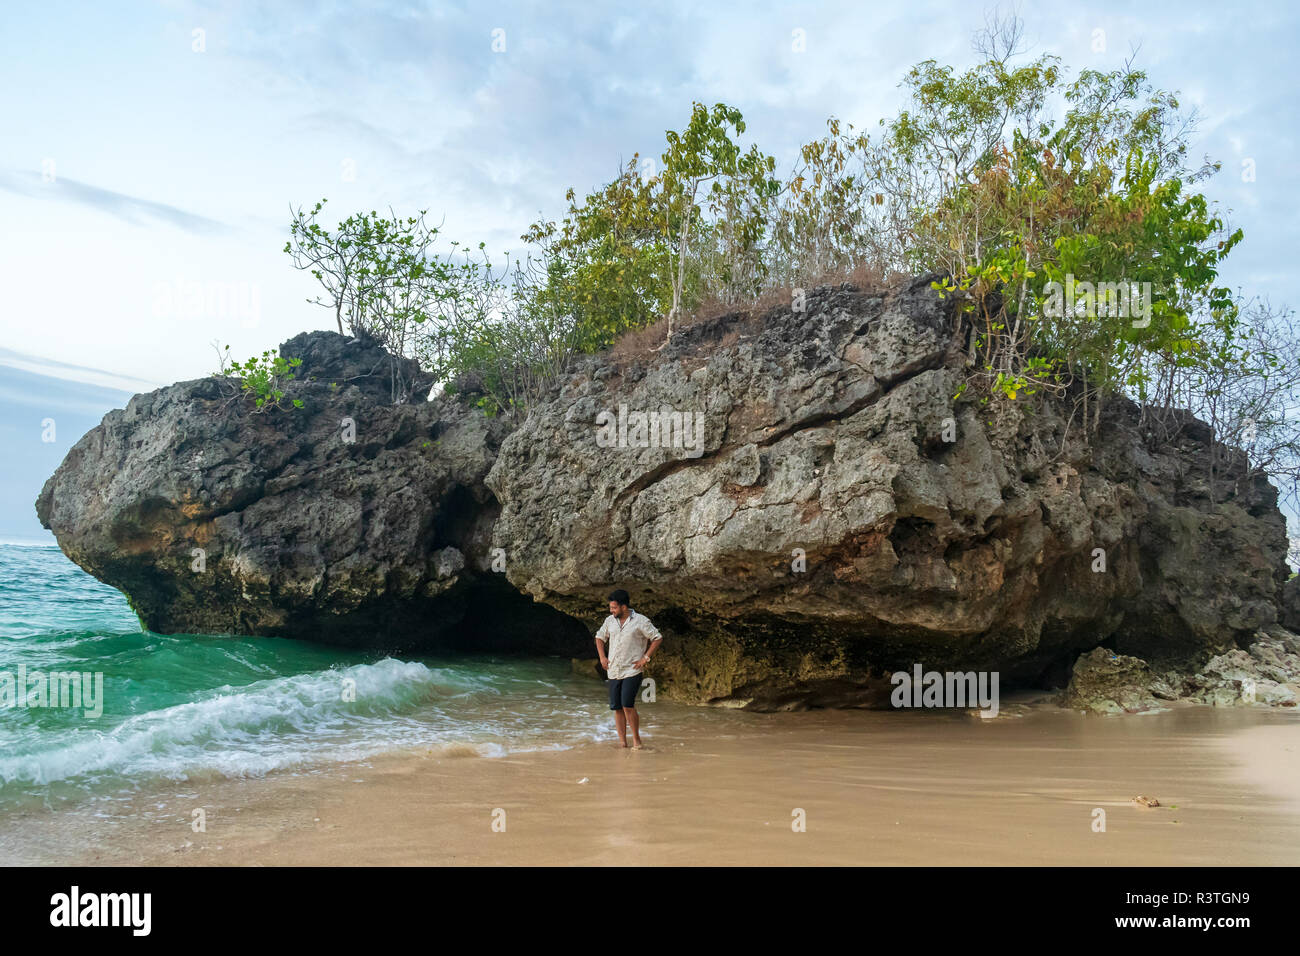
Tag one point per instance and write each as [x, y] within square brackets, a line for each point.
[182, 165]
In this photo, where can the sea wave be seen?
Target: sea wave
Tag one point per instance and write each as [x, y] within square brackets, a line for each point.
[193, 707]
[347, 713]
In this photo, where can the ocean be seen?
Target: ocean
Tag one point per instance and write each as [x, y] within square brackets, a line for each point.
[263, 736]
[194, 708]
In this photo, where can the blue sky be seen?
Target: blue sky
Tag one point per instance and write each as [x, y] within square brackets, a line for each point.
[173, 169]
[146, 169]
[40, 419]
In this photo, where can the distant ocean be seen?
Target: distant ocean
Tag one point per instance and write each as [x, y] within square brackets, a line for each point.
[187, 707]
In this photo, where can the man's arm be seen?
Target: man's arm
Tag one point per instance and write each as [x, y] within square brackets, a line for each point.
[600, 646]
[649, 652]
[656, 639]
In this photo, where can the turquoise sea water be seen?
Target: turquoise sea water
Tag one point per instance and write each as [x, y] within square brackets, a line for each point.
[186, 707]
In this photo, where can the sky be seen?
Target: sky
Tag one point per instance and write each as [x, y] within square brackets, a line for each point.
[150, 152]
[41, 417]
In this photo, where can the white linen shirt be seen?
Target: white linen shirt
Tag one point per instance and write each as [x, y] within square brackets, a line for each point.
[627, 642]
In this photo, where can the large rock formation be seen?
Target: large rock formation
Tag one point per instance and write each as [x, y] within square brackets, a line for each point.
[346, 520]
[822, 509]
[845, 516]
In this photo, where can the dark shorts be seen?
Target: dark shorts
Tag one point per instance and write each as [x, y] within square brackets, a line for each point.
[622, 692]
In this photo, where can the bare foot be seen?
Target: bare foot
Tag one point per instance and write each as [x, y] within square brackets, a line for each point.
[621, 745]
[638, 746]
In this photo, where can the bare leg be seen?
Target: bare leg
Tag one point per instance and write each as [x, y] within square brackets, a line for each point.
[636, 726]
[621, 722]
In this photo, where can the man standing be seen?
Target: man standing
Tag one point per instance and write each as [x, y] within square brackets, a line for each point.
[632, 642]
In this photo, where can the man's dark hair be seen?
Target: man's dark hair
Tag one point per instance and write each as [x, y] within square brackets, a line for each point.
[621, 596]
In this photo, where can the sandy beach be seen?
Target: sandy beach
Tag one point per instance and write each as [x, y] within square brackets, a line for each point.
[724, 788]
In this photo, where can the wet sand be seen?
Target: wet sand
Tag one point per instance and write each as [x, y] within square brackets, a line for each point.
[917, 788]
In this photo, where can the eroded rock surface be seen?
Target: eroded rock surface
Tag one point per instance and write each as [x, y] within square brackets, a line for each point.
[844, 513]
[343, 521]
[1267, 674]
[1107, 683]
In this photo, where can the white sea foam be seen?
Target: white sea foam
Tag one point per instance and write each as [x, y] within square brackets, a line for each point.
[286, 722]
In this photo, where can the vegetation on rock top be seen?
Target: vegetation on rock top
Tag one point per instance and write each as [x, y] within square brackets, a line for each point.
[1063, 211]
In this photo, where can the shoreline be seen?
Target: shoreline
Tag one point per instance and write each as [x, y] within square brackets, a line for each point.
[875, 788]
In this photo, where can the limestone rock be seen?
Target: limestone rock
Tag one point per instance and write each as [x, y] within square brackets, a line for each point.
[1240, 678]
[844, 514]
[1107, 683]
[347, 520]
[803, 502]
